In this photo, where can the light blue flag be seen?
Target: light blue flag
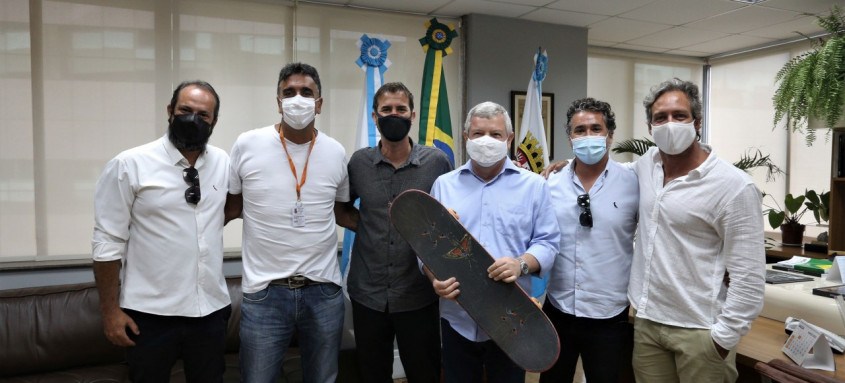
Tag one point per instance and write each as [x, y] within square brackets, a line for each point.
[532, 152]
[374, 62]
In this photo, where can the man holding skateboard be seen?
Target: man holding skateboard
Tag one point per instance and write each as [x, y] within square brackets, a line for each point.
[505, 209]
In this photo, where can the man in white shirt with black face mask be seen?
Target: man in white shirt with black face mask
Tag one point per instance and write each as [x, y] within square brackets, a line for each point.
[506, 209]
[697, 277]
[159, 230]
[286, 181]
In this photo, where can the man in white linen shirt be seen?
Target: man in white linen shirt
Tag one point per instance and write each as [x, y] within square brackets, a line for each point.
[287, 179]
[157, 222]
[700, 219]
[595, 200]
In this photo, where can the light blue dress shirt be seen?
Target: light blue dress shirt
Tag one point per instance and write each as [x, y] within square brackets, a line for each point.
[509, 216]
[590, 274]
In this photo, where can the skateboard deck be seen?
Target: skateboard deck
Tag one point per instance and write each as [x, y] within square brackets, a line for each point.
[503, 310]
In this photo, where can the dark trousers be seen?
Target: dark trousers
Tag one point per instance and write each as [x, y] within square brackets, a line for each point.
[605, 346]
[417, 335]
[199, 342]
[465, 361]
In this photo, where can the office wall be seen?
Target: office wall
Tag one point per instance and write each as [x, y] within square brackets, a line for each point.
[499, 56]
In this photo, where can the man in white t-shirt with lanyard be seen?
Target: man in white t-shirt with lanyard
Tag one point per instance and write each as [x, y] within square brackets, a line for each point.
[284, 182]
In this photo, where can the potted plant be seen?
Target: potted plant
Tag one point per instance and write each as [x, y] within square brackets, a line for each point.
[812, 84]
[788, 218]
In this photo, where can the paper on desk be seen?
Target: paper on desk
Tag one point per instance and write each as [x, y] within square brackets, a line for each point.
[808, 347]
[836, 270]
[795, 260]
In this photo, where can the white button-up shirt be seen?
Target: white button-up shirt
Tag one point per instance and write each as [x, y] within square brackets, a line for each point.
[590, 274]
[172, 251]
[691, 231]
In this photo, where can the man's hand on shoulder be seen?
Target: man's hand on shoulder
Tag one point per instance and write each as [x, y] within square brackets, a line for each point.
[553, 167]
[115, 324]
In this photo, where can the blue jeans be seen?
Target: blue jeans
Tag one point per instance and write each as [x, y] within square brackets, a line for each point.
[271, 317]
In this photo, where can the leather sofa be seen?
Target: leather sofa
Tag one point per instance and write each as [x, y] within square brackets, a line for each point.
[55, 334]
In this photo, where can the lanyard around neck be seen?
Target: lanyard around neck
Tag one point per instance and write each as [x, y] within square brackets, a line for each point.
[293, 167]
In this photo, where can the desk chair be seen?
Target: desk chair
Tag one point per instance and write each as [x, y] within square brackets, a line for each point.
[781, 371]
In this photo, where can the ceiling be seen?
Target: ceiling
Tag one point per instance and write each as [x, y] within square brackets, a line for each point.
[697, 28]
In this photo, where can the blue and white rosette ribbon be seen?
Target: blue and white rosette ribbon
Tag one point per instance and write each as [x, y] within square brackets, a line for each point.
[373, 60]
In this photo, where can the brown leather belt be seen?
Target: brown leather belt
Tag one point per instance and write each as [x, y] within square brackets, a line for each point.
[293, 282]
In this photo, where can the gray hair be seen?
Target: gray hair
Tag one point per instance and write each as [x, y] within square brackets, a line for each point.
[675, 84]
[488, 110]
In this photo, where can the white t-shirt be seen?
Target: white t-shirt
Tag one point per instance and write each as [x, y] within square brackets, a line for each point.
[273, 247]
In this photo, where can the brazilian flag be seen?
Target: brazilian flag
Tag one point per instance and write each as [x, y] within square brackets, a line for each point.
[435, 121]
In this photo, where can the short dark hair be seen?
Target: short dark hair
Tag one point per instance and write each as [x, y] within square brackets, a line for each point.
[687, 87]
[198, 84]
[393, 87]
[299, 68]
[589, 104]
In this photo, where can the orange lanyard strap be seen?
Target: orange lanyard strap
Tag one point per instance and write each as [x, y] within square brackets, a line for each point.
[293, 167]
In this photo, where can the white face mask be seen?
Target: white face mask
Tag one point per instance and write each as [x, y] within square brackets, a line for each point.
[486, 151]
[674, 137]
[298, 111]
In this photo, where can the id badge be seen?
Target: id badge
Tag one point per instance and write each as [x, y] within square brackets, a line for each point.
[298, 215]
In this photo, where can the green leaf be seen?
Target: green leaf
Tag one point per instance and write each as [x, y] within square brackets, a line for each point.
[636, 146]
[793, 203]
[776, 218]
[812, 198]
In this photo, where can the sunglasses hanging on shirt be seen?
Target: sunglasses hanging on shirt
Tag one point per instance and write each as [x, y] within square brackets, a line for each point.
[192, 177]
[586, 217]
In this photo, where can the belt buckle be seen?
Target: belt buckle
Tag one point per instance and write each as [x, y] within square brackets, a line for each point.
[297, 281]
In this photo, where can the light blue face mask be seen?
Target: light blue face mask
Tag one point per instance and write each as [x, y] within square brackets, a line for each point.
[590, 149]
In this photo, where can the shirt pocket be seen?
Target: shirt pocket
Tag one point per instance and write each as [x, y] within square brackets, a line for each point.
[512, 218]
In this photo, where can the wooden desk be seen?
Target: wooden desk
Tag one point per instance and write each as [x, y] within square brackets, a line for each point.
[786, 252]
[779, 253]
[764, 342]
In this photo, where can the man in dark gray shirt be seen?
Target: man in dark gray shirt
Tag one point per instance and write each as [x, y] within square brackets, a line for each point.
[390, 297]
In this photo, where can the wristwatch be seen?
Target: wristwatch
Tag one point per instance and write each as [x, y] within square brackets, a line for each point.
[523, 266]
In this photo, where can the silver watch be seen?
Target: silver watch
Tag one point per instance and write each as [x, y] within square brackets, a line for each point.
[523, 266]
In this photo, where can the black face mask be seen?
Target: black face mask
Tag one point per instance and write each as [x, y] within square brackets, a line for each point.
[188, 132]
[394, 128]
